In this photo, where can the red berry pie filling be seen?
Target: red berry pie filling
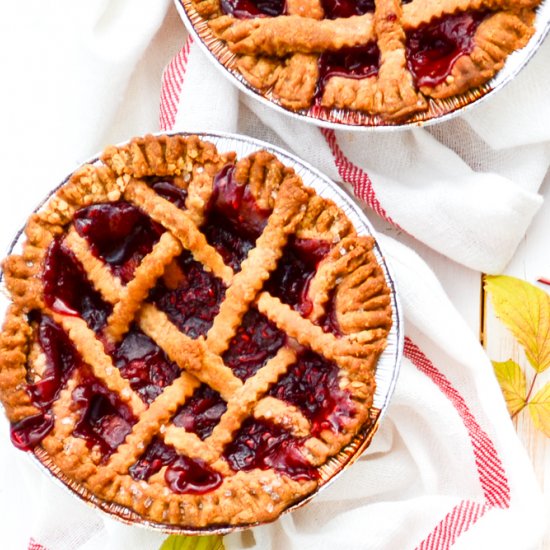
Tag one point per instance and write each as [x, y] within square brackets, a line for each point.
[191, 333]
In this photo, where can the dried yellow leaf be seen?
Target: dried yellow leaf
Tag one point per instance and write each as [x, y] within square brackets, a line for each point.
[182, 542]
[525, 310]
[539, 407]
[512, 382]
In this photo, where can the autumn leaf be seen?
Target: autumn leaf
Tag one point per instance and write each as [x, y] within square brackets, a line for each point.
[512, 382]
[525, 310]
[539, 407]
[180, 542]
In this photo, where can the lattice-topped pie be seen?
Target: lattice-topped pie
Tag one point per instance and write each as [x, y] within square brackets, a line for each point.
[386, 58]
[191, 336]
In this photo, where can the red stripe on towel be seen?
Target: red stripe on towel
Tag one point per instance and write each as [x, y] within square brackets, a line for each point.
[491, 474]
[353, 174]
[456, 522]
[33, 545]
[172, 81]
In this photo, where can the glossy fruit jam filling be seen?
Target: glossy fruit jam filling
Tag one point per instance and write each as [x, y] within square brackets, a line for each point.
[183, 474]
[312, 385]
[167, 189]
[30, 431]
[144, 364]
[189, 295]
[104, 420]
[67, 289]
[290, 281]
[201, 412]
[61, 359]
[258, 444]
[191, 476]
[247, 9]
[329, 321]
[355, 62]
[256, 341]
[157, 455]
[434, 48]
[119, 233]
[233, 248]
[335, 9]
[235, 220]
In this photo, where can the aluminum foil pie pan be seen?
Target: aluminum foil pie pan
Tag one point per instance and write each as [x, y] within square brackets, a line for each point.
[439, 110]
[386, 373]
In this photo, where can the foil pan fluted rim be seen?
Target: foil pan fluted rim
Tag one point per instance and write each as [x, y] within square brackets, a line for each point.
[386, 373]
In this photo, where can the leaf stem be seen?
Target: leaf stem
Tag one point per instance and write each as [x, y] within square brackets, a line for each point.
[518, 411]
[531, 388]
[526, 397]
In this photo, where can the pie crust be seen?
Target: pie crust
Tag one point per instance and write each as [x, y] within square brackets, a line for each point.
[312, 53]
[223, 438]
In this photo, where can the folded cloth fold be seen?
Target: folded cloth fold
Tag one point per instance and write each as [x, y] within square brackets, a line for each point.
[446, 468]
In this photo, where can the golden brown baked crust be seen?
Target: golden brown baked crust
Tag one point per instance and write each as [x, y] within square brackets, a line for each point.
[348, 285]
[281, 54]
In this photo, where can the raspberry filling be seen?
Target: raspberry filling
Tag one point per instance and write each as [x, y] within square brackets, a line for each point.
[247, 9]
[144, 364]
[354, 62]
[329, 322]
[235, 220]
[167, 190]
[67, 289]
[183, 474]
[191, 476]
[290, 281]
[157, 455]
[258, 444]
[434, 48]
[335, 9]
[201, 412]
[61, 360]
[256, 341]
[312, 385]
[30, 431]
[118, 233]
[105, 420]
[189, 295]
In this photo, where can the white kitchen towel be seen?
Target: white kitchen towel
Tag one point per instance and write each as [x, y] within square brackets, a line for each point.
[446, 469]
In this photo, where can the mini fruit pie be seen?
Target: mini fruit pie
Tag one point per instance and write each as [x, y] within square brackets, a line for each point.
[191, 336]
[386, 58]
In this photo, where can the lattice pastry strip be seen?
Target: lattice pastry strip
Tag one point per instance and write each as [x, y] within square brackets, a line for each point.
[386, 58]
[179, 224]
[211, 369]
[158, 414]
[135, 292]
[92, 352]
[261, 260]
[221, 415]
